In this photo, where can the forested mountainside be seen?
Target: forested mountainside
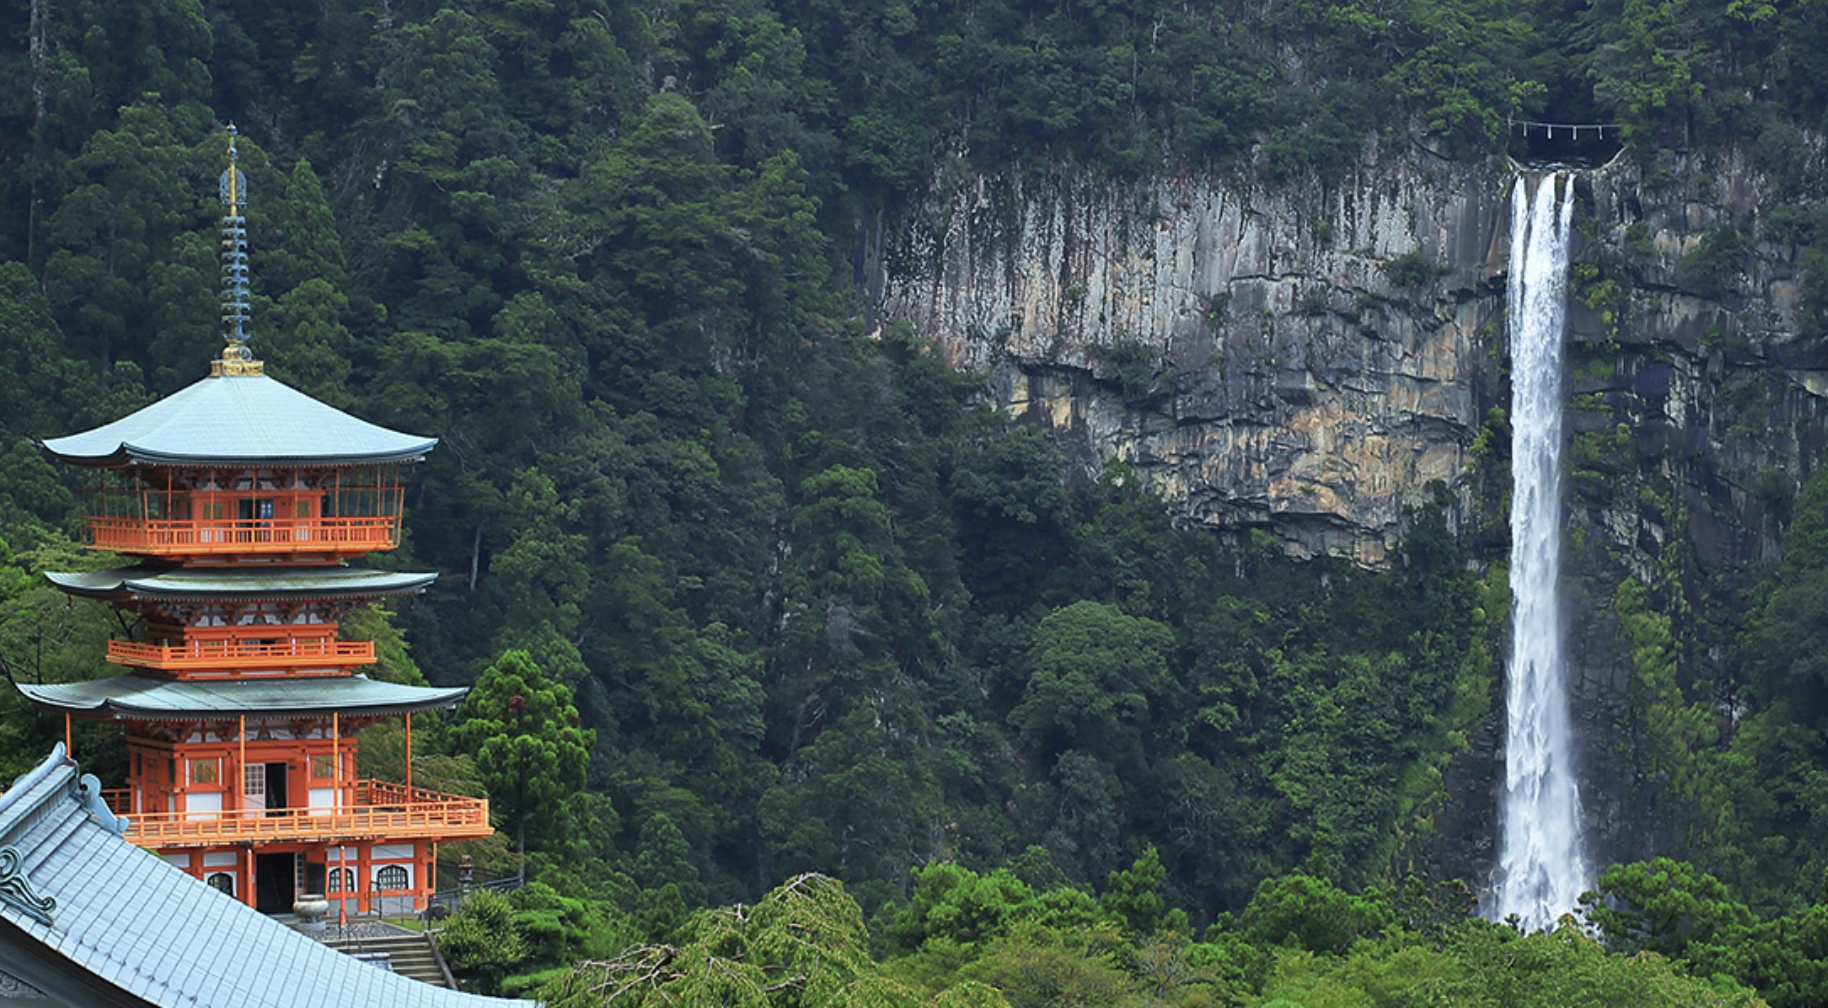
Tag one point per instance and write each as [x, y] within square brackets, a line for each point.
[755, 582]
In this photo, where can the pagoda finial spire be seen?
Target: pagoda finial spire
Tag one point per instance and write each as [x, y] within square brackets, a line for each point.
[236, 358]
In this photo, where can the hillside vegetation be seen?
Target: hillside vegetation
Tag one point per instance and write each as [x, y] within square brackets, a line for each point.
[787, 600]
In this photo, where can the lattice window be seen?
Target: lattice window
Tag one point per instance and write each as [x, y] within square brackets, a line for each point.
[254, 786]
[391, 878]
[221, 881]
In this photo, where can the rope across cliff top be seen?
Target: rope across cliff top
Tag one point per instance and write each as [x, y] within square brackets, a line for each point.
[1571, 129]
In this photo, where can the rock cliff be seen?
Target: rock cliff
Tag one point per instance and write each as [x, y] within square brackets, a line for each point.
[1300, 359]
[1307, 358]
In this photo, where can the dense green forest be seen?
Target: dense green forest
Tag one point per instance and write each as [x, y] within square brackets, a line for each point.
[787, 599]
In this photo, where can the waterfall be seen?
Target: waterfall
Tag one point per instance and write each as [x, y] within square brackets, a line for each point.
[1541, 871]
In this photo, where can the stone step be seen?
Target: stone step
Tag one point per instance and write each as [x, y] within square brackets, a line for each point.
[425, 971]
[408, 953]
[389, 942]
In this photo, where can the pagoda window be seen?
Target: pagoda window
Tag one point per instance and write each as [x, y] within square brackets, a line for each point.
[342, 880]
[392, 878]
[222, 882]
[254, 786]
[323, 767]
[206, 771]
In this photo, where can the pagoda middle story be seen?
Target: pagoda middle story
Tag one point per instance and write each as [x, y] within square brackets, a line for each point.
[239, 503]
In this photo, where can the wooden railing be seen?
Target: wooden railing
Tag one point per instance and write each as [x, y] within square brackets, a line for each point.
[230, 655]
[380, 792]
[199, 537]
[381, 812]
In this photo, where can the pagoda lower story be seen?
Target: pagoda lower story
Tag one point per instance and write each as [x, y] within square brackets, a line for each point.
[265, 804]
[271, 815]
[361, 878]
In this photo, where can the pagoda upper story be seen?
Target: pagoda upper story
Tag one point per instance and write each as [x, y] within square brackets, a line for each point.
[239, 468]
[242, 499]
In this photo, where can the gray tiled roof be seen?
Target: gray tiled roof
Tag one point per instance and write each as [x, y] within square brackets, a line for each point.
[148, 581]
[248, 419]
[147, 697]
[129, 929]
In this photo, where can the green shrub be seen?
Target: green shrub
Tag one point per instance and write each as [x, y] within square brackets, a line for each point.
[1411, 269]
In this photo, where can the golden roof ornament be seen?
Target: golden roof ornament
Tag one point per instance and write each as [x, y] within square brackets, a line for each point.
[236, 358]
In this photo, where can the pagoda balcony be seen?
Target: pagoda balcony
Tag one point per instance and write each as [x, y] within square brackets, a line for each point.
[227, 538]
[381, 812]
[229, 657]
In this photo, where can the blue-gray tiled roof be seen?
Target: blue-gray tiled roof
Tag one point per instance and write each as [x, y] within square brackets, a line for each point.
[146, 697]
[240, 419]
[126, 928]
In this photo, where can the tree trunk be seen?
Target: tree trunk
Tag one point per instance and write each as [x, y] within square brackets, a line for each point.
[475, 557]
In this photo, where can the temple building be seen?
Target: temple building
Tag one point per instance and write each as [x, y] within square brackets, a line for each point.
[88, 921]
[240, 503]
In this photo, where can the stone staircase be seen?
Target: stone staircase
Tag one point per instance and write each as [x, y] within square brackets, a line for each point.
[409, 953]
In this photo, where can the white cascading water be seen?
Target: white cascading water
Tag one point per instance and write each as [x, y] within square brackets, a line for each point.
[1541, 871]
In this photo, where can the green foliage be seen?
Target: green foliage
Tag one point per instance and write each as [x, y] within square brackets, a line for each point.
[1040, 968]
[961, 907]
[482, 940]
[1770, 775]
[1302, 941]
[1672, 729]
[1673, 909]
[1311, 914]
[1092, 672]
[1594, 287]
[1483, 963]
[1662, 906]
[1133, 365]
[557, 931]
[1715, 259]
[522, 729]
[1411, 269]
[1133, 896]
[804, 944]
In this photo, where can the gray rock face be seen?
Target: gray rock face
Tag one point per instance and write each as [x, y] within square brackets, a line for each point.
[1241, 347]
[1307, 359]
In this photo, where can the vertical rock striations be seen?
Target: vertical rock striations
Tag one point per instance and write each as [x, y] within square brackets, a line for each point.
[1298, 359]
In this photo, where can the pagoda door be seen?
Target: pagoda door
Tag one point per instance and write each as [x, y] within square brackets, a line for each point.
[275, 882]
[276, 787]
[257, 514]
[263, 787]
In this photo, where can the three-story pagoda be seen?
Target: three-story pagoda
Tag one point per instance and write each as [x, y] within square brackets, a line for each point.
[241, 502]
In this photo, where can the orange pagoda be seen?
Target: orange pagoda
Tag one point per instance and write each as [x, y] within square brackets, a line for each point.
[241, 502]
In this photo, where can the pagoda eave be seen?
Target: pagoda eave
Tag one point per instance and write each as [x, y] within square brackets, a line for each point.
[128, 456]
[240, 420]
[181, 584]
[143, 698]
